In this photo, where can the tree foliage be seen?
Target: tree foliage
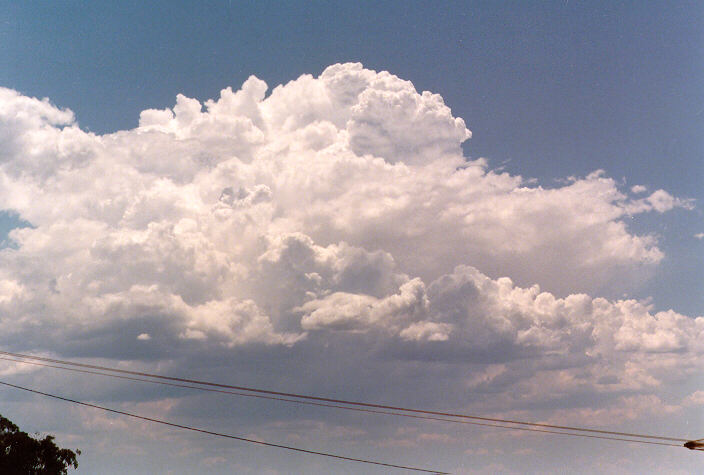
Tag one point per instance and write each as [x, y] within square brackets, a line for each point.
[22, 454]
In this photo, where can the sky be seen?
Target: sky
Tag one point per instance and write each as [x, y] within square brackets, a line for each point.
[492, 208]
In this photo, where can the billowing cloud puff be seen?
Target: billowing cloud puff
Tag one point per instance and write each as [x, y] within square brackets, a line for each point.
[338, 206]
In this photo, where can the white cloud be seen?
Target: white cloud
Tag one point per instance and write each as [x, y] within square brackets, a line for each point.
[352, 156]
[337, 209]
[638, 189]
[342, 310]
[472, 312]
[695, 399]
[429, 331]
[659, 201]
[354, 167]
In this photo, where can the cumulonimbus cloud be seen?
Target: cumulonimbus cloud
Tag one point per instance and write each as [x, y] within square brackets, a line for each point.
[336, 204]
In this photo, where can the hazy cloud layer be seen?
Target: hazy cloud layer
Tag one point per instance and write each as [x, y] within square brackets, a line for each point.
[335, 209]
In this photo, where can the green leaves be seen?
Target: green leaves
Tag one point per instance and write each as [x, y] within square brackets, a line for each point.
[22, 454]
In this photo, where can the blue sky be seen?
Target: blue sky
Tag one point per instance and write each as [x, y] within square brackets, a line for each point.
[551, 92]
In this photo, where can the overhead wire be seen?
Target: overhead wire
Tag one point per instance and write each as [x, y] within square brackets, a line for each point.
[347, 402]
[229, 436]
[348, 408]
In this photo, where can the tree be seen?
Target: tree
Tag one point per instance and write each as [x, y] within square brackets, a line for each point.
[22, 454]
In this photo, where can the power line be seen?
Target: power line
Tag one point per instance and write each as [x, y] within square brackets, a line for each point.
[356, 409]
[342, 401]
[228, 436]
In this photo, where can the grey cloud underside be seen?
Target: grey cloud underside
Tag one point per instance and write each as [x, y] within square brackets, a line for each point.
[336, 209]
